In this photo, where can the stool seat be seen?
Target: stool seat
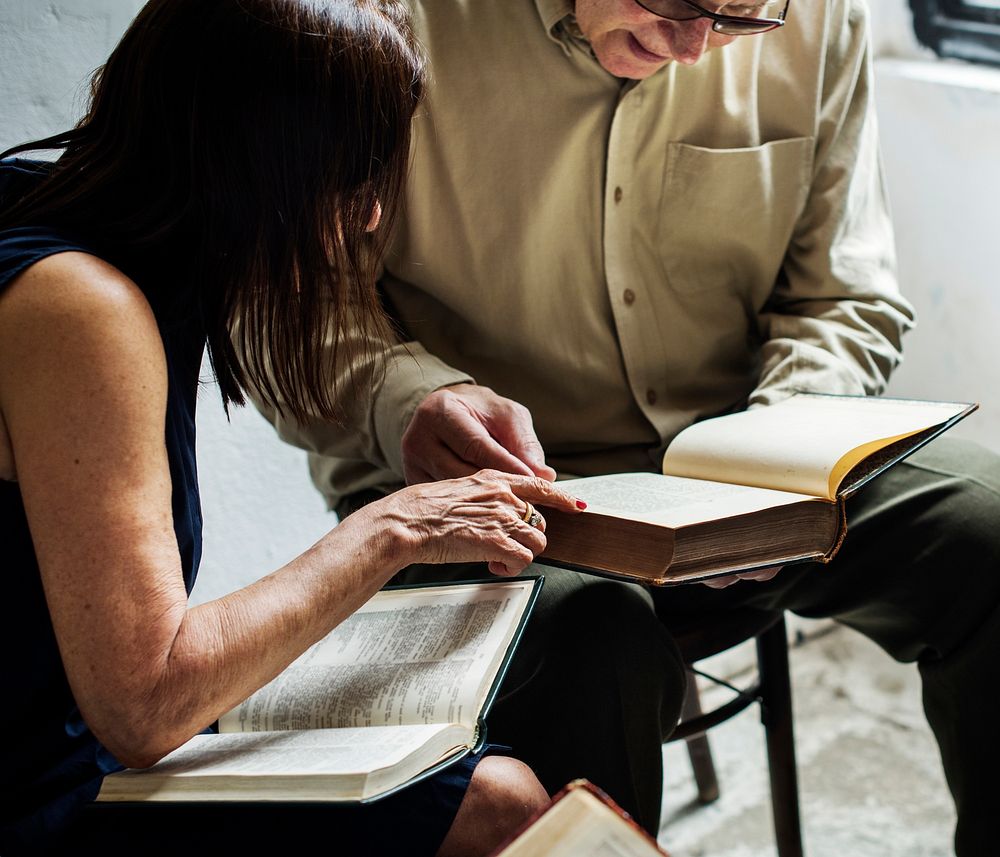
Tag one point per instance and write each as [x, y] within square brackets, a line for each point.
[700, 636]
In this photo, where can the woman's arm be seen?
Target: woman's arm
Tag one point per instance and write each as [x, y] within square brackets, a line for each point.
[83, 391]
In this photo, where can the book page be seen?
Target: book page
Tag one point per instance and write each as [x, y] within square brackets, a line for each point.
[673, 500]
[311, 751]
[580, 825]
[804, 444]
[259, 761]
[425, 655]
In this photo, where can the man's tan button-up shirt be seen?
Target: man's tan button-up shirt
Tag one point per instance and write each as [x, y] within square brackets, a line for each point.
[624, 258]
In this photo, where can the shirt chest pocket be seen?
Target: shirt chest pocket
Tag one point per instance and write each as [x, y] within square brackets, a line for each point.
[726, 215]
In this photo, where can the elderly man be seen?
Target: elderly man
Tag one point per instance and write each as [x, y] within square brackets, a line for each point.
[623, 217]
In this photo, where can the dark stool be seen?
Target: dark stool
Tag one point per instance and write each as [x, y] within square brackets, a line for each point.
[703, 636]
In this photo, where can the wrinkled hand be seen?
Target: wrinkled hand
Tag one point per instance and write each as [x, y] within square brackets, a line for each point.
[730, 579]
[472, 519]
[456, 431]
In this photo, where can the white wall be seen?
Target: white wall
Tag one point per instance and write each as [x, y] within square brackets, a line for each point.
[940, 124]
[940, 128]
[941, 143]
[260, 507]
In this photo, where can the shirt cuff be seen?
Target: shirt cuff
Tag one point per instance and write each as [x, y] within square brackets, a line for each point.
[410, 376]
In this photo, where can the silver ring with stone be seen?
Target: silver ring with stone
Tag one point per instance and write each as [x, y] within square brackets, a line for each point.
[531, 517]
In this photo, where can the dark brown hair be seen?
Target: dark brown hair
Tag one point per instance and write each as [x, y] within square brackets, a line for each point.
[230, 161]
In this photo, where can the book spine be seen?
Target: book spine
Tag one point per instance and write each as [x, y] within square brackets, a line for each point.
[841, 531]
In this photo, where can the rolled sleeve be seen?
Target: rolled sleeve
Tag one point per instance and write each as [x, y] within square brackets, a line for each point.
[836, 318]
[410, 377]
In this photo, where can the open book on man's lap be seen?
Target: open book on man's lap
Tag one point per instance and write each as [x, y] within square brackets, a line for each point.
[759, 488]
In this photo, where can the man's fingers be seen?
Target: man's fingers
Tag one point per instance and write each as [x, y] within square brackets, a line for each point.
[416, 475]
[443, 463]
[451, 450]
[721, 582]
[513, 429]
[469, 440]
[478, 429]
[760, 575]
[435, 462]
[538, 465]
[525, 446]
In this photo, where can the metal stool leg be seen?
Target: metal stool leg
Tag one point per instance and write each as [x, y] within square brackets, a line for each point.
[698, 748]
[776, 714]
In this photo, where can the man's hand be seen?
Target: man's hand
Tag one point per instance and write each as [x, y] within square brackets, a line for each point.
[730, 579]
[458, 430]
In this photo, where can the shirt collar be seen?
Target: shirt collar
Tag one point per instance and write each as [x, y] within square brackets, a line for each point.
[552, 12]
[555, 16]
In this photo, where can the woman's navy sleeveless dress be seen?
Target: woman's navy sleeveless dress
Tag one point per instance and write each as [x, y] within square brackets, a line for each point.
[50, 761]
[51, 765]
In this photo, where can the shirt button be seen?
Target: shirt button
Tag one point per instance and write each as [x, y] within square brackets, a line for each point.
[629, 297]
[651, 396]
[618, 194]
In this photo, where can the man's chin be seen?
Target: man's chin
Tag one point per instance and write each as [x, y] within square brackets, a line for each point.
[627, 66]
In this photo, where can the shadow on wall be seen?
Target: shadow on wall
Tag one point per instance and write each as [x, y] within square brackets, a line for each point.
[261, 509]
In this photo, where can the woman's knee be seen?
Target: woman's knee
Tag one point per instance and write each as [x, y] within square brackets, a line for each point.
[507, 786]
[503, 794]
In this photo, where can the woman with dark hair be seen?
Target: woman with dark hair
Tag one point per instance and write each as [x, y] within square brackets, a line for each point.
[224, 189]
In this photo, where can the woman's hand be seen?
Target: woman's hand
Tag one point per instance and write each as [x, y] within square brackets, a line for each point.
[483, 517]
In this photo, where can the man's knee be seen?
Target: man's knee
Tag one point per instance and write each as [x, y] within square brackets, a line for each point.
[605, 619]
[950, 490]
[606, 634]
[964, 480]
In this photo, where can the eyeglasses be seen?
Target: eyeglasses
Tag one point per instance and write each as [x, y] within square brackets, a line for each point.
[730, 18]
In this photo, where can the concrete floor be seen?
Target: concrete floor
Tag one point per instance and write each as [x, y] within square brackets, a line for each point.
[870, 776]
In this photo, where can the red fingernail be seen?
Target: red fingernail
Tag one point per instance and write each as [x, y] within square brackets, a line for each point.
[580, 504]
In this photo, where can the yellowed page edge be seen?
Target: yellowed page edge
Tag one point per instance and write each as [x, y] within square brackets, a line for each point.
[795, 445]
[856, 456]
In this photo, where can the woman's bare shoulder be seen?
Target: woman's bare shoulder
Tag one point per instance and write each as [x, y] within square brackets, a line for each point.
[73, 329]
[68, 283]
[73, 302]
